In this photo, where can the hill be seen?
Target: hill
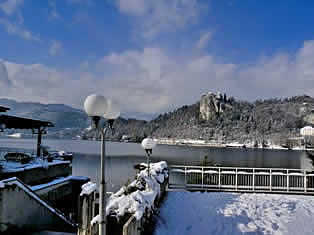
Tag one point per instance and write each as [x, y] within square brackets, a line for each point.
[271, 119]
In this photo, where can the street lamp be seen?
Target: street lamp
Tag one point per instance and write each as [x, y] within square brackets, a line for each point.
[148, 144]
[97, 107]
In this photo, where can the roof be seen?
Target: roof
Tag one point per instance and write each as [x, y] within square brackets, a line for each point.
[23, 123]
[4, 109]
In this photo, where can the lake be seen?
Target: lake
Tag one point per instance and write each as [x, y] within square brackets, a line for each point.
[121, 157]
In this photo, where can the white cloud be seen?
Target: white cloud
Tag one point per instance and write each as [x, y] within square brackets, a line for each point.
[9, 7]
[82, 2]
[4, 77]
[155, 17]
[53, 14]
[55, 48]
[17, 29]
[151, 80]
[204, 39]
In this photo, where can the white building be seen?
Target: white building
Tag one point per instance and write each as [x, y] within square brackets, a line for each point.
[307, 131]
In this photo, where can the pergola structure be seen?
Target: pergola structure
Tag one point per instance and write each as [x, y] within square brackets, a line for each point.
[4, 109]
[37, 126]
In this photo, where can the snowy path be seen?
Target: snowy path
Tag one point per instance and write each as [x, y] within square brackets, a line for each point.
[231, 213]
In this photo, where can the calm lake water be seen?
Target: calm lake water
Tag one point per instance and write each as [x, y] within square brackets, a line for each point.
[121, 157]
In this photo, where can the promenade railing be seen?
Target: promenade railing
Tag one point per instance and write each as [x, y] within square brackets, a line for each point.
[292, 181]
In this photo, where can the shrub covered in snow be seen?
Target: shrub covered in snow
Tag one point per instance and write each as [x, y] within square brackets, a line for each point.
[140, 195]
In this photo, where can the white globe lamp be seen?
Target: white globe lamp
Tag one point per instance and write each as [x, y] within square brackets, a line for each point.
[96, 105]
[148, 144]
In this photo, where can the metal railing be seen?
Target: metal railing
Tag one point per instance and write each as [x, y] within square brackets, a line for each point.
[294, 181]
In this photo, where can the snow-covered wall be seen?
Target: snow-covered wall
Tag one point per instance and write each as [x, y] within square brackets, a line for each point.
[36, 174]
[20, 207]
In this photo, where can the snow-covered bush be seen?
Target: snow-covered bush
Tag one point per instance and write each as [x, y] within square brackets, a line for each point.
[140, 195]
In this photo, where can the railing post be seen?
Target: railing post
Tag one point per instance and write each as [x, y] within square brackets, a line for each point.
[270, 180]
[288, 181]
[185, 176]
[202, 177]
[305, 181]
[253, 180]
[236, 179]
[219, 177]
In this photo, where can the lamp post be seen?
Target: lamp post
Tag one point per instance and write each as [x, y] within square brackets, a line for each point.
[97, 106]
[148, 144]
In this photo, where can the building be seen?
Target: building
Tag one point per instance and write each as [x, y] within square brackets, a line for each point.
[307, 131]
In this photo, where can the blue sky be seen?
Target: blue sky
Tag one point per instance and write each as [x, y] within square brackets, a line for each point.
[153, 56]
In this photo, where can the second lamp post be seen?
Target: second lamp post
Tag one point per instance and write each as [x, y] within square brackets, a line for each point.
[100, 109]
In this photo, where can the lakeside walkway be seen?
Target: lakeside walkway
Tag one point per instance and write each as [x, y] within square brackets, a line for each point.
[191, 213]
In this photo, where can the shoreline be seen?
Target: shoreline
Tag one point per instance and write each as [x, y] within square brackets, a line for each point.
[231, 146]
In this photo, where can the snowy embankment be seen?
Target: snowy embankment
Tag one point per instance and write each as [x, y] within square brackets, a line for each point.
[231, 213]
[138, 196]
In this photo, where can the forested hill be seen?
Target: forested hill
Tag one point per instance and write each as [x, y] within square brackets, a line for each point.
[273, 119]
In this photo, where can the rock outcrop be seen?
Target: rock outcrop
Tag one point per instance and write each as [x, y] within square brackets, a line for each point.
[212, 105]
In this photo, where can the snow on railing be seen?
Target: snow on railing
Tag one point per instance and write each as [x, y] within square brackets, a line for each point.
[88, 188]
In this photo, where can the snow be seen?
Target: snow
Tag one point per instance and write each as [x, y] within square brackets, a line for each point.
[278, 173]
[211, 172]
[15, 135]
[296, 174]
[196, 142]
[232, 213]
[88, 188]
[95, 220]
[262, 173]
[141, 194]
[58, 181]
[36, 163]
[194, 171]
[228, 172]
[177, 170]
[235, 145]
[1, 184]
[34, 196]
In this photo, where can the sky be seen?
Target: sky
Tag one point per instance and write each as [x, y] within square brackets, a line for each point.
[153, 56]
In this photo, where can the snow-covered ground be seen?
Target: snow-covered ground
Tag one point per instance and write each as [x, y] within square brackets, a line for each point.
[232, 213]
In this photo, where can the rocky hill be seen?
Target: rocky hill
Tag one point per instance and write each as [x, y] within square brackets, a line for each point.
[271, 119]
[274, 120]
